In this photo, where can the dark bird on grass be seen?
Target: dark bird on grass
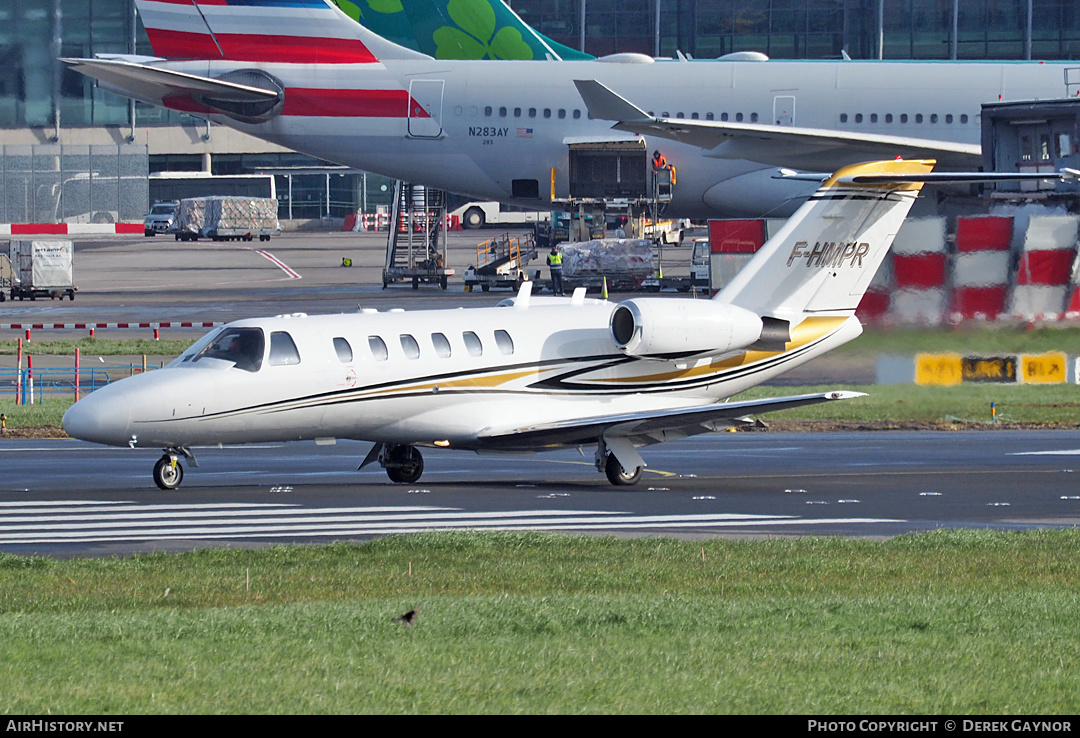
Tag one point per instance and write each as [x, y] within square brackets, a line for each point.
[408, 618]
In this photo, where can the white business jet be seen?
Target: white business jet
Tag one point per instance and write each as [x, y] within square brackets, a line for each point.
[304, 75]
[530, 375]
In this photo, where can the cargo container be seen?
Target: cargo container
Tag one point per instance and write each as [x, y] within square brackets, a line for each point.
[41, 269]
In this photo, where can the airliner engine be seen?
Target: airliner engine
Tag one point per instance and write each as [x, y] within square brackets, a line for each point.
[662, 328]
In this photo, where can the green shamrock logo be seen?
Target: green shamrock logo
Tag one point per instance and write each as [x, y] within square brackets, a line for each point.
[355, 12]
[475, 37]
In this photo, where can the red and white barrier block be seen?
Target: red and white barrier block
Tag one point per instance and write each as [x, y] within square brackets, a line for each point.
[919, 271]
[732, 244]
[981, 267]
[1043, 275]
[68, 229]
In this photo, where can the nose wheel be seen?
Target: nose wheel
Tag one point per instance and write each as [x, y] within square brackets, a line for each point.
[168, 473]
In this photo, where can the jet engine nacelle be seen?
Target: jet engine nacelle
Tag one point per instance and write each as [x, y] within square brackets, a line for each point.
[660, 327]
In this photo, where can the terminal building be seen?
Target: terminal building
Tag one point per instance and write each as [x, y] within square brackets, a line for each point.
[50, 114]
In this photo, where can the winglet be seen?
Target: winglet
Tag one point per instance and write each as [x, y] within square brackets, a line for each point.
[604, 104]
[521, 302]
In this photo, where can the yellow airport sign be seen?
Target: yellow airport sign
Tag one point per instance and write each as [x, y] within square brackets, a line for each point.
[1048, 368]
[938, 369]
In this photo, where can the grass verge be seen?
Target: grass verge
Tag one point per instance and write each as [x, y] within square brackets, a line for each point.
[944, 622]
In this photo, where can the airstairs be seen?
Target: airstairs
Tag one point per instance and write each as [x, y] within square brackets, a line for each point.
[416, 243]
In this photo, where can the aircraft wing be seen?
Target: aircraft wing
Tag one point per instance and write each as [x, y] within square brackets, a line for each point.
[646, 427]
[149, 83]
[804, 148]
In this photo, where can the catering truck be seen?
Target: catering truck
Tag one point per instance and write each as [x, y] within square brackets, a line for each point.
[41, 269]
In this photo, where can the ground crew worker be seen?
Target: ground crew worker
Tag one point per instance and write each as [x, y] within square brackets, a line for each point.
[658, 161]
[554, 262]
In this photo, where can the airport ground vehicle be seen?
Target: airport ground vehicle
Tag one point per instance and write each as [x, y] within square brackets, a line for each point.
[161, 218]
[42, 269]
[480, 214]
[225, 218]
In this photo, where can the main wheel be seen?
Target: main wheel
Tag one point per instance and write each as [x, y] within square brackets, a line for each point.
[167, 473]
[404, 465]
[473, 218]
[619, 476]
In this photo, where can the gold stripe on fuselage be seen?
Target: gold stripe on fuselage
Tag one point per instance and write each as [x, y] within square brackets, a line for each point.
[807, 332]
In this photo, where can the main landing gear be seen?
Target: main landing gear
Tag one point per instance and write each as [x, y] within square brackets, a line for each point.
[403, 463]
[168, 472]
[608, 453]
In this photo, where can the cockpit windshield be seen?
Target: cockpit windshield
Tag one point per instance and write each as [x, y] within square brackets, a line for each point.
[242, 346]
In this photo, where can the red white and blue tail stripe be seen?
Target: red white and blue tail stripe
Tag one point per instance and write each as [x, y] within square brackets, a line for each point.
[273, 31]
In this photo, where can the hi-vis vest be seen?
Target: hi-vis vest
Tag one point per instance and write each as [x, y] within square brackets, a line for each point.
[555, 260]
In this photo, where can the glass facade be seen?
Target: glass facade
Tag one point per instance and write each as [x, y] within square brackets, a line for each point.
[816, 29]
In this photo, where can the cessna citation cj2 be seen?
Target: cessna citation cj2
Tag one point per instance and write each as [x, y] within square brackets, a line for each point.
[532, 374]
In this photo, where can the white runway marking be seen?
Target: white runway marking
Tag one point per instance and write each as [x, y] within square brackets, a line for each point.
[102, 522]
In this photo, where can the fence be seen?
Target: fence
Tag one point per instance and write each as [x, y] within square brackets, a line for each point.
[60, 183]
[32, 386]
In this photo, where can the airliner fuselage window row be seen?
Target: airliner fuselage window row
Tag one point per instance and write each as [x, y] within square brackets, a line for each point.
[887, 118]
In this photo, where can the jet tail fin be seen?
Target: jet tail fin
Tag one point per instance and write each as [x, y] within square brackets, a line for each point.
[298, 31]
[822, 260]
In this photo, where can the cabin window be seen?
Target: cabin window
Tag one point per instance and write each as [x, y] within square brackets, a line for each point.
[679, 115]
[343, 350]
[903, 117]
[487, 111]
[918, 117]
[502, 112]
[843, 117]
[242, 346]
[282, 350]
[948, 118]
[532, 112]
[562, 113]
[577, 114]
[547, 112]
[933, 118]
[410, 346]
[754, 117]
[472, 343]
[441, 344]
[858, 117]
[504, 343]
[964, 119]
[873, 117]
[723, 116]
[517, 112]
[709, 116]
[888, 117]
[378, 348]
[693, 116]
[738, 117]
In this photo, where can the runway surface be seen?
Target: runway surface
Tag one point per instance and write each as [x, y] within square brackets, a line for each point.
[64, 498]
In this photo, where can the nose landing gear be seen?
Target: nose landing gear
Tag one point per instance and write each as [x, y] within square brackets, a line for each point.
[168, 472]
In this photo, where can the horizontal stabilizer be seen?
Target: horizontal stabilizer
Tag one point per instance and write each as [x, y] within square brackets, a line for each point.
[153, 83]
[648, 427]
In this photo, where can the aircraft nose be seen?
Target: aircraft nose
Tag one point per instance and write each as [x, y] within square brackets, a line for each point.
[100, 418]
